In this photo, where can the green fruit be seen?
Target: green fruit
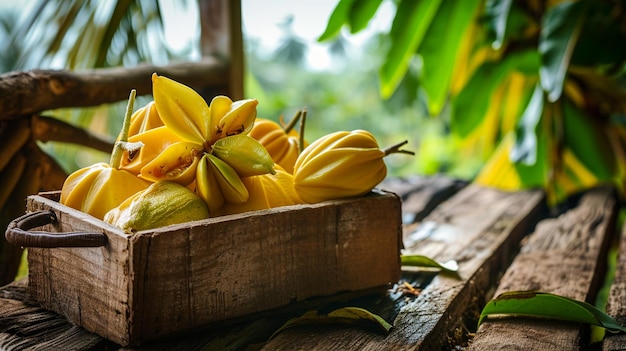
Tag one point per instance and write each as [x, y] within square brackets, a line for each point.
[161, 204]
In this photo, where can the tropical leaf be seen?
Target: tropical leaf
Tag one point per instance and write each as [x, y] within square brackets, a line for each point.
[120, 10]
[441, 47]
[80, 34]
[350, 316]
[519, 91]
[362, 12]
[573, 176]
[407, 32]
[598, 87]
[499, 171]
[539, 174]
[525, 149]
[601, 39]
[472, 53]
[561, 28]
[496, 15]
[551, 306]
[470, 106]
[337, 19]
[424, 261]
[588, 142]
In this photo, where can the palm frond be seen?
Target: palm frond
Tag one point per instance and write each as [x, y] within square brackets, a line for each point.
[90, 34]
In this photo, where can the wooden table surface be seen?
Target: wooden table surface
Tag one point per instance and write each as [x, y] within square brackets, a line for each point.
[492, 235]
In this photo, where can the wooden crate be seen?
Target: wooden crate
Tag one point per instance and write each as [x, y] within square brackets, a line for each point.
[160, 282]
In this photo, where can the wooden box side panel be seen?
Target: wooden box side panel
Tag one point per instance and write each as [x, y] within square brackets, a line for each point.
[367, 248]
[196, 275]
[89, 286]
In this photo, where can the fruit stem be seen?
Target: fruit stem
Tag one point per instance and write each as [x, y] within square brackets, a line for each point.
[395, 149]
[118, 148]
[293, 122]
[301, 136]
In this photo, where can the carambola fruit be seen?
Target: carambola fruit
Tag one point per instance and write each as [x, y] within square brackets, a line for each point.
[161, 204]
[339, 165]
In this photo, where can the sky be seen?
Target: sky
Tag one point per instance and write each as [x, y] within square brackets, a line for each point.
[261, 19]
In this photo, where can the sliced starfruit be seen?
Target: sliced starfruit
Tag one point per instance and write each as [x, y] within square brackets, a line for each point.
[177, 163]
[154, 141]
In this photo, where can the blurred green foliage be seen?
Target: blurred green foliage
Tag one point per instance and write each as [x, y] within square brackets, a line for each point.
[346, 96]
[536, 87]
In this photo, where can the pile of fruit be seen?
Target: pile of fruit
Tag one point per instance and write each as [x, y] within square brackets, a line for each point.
[179, 159]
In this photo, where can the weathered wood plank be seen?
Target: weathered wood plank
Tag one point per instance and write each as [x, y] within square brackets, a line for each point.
[420, 195]
[565, 256]
[616, 306]
[24, 325]
[479, 228]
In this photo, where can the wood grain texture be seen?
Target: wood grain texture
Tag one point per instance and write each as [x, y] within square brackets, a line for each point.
[616, 306]
[221, 36]
[479, 228]
[89, 286]
[565, 256]
[421, 195]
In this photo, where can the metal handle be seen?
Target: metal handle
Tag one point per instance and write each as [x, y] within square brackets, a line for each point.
[18, 233]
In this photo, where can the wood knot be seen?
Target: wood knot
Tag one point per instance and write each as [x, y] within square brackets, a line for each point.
[57, 87]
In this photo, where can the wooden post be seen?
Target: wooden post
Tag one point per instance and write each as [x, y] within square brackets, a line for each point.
[221, 37]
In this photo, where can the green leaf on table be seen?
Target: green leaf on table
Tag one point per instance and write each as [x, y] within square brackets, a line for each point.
[424, 261]
[350, 316]
[337, 19]
[560, 30]
[361, 13]
[407, 32]
[441, 47]
[550, 306]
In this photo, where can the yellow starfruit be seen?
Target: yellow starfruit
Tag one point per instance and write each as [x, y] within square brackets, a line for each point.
[266, 191]
[99, 188]
[210, 132]
[161, 204]
[340, 165]
[154, 141]
[282, 142]
[144, 119]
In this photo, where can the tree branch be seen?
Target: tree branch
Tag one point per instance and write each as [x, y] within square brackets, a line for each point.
[26, 93]
[48, 128]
